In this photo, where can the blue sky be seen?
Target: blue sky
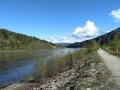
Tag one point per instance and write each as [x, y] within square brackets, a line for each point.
[60, 21]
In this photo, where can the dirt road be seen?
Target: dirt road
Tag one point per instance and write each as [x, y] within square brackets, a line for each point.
[113, 64]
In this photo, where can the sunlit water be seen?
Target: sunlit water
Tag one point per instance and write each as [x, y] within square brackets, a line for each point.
[16, 65]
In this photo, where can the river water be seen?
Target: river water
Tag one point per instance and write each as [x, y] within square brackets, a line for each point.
[16, 65]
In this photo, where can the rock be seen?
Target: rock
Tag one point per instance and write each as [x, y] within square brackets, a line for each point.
[92, 64]
[88, 88]
[67, 88]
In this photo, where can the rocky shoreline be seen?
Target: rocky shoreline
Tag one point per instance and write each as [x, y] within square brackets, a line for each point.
[89, 73]
[63, 78]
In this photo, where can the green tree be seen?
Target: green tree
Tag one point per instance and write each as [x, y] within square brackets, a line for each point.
[115, 44]
[15, 41]
[92, 46]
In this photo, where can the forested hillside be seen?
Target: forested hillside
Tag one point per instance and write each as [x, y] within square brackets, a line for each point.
[101, 40]
[15, 41]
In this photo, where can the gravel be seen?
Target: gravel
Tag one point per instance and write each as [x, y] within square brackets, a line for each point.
[113, 64]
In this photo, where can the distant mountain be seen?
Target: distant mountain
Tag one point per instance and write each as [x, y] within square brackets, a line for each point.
[16, 41]
[101, 40]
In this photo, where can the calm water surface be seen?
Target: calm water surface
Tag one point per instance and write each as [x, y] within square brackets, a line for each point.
[16, 65]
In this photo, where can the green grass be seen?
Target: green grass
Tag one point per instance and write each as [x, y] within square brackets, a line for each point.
[113, 52]
[101, 78]
[94, 59]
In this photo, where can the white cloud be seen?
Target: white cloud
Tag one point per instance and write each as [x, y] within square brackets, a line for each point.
[116, 14]
[65, 39]
[88, 31]
[107, 31]
[52, 39]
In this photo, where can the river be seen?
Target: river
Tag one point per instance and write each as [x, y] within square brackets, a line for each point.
[16, 65]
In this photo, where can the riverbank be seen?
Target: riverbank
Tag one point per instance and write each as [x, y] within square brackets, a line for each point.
[20, 64]
[14, 50]
[28, 50]
[88, 73]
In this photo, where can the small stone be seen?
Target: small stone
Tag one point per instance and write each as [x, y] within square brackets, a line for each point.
[34, 88]
[92, 64]
[67, 88]
[88, 88]
[41, 88]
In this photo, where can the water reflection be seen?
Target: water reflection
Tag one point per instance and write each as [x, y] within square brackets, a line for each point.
[17, 64]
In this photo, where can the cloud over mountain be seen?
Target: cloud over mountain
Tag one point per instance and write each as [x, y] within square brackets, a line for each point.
[88, 31]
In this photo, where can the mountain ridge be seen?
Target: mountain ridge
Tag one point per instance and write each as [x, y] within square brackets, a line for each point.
[101, 40]
[15, 41]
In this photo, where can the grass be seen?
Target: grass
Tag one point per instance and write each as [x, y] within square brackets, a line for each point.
[94, 59]
[113, 52]
[102, 76]
[94, 75]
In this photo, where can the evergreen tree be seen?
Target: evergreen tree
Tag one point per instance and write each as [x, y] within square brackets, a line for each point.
[15, 41]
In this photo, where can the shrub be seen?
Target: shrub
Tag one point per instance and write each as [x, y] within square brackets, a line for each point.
[78, 54]
[93, 46]
[56, 64]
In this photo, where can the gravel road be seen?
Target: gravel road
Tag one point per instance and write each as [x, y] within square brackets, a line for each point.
[113, 64]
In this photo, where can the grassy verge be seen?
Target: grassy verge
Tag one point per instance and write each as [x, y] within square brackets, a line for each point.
[95, 58]
[102, 76]
[113, 52]
[93, 76]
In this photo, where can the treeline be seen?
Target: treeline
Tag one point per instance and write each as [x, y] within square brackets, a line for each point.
[115, 44]
[59, 63]
[16, 41]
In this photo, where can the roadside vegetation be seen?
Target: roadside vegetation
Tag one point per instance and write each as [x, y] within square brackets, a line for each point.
[94, 75]
[114, 47]
[113, 52]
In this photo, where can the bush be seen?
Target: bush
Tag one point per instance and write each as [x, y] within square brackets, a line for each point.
[78, 54]
[56, 64]
[93, 46]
